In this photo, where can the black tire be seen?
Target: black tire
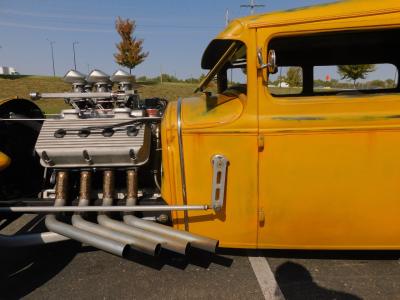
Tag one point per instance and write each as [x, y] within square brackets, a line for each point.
[23, 178]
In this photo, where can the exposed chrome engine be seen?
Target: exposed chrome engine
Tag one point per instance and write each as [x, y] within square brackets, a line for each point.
[105, 150]
[105, 128]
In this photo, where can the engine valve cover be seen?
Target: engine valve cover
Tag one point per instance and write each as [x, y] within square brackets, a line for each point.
[73, 142]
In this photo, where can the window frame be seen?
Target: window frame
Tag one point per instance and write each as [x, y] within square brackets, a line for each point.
[313, 98]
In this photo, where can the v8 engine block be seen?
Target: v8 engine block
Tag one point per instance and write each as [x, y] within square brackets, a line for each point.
[118, 140]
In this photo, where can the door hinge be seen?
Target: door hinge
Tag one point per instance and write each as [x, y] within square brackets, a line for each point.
[220, 166]
[260, 143]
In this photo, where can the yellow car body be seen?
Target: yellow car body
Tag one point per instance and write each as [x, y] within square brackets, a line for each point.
[319, 172]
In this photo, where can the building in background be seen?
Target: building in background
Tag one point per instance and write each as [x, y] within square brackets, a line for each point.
[8, 71]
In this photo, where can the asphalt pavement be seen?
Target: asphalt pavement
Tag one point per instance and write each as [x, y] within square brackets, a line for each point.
[69, 270]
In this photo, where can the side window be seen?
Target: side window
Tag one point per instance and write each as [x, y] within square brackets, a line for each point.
[287, 81]
[347, 78]
[340, 63]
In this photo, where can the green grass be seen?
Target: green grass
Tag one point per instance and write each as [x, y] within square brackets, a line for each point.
[170, 91]
[21, 86]
[284, 91]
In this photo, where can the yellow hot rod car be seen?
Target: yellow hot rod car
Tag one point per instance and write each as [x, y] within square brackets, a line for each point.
[253, 166]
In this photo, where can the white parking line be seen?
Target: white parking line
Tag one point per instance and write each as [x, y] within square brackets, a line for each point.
[265, 278]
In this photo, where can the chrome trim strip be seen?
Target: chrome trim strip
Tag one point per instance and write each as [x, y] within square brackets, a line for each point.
[53, 209]
[181, 160]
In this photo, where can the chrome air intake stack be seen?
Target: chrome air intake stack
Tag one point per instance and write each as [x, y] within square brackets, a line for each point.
[100, 80]
[123, 80]
[77, 79]
[93, 94]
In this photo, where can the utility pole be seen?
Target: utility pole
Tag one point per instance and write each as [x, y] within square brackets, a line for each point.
[227, 17]
[73, 49]
[161, 74]
[52, 56]
[252, 5]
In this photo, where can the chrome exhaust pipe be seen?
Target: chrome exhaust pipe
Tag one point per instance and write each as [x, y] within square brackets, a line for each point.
[197, 241]
[106, 221]
[30, 239]
[72, 232]
[79, 222]
[172, 244]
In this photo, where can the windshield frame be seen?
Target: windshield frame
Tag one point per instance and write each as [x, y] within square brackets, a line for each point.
[228, 54]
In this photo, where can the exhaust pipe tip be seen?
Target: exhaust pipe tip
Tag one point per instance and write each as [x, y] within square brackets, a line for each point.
[187, 249]
[125, 251]
[206, 245]
[216, 246]
[157, 250]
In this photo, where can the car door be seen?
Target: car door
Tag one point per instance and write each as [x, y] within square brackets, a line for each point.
[329, 172]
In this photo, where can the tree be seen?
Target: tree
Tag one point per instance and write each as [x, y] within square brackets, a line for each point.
[130, 50]
[354, 72]
[293, 76]
[376, 84]
[390, 83]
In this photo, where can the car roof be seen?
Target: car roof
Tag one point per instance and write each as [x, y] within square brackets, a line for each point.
[323, 12]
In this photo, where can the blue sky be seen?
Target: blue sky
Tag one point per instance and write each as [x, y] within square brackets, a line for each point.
[175, 32]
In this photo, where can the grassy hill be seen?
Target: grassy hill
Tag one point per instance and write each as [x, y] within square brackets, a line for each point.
[21, 86]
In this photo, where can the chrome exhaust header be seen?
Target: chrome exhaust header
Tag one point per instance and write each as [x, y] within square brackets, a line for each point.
[107, 221]
[109, 235]
[83, 236]
[79, 222]
[194, 240]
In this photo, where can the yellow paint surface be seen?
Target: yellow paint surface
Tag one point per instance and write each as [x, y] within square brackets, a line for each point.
[328, 176]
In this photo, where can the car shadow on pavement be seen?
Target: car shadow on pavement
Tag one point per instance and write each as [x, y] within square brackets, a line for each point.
[197, 257]
[22, 270]
[296, 282]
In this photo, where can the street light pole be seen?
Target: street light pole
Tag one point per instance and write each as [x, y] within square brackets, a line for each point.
[73, 49]
[52, 56]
